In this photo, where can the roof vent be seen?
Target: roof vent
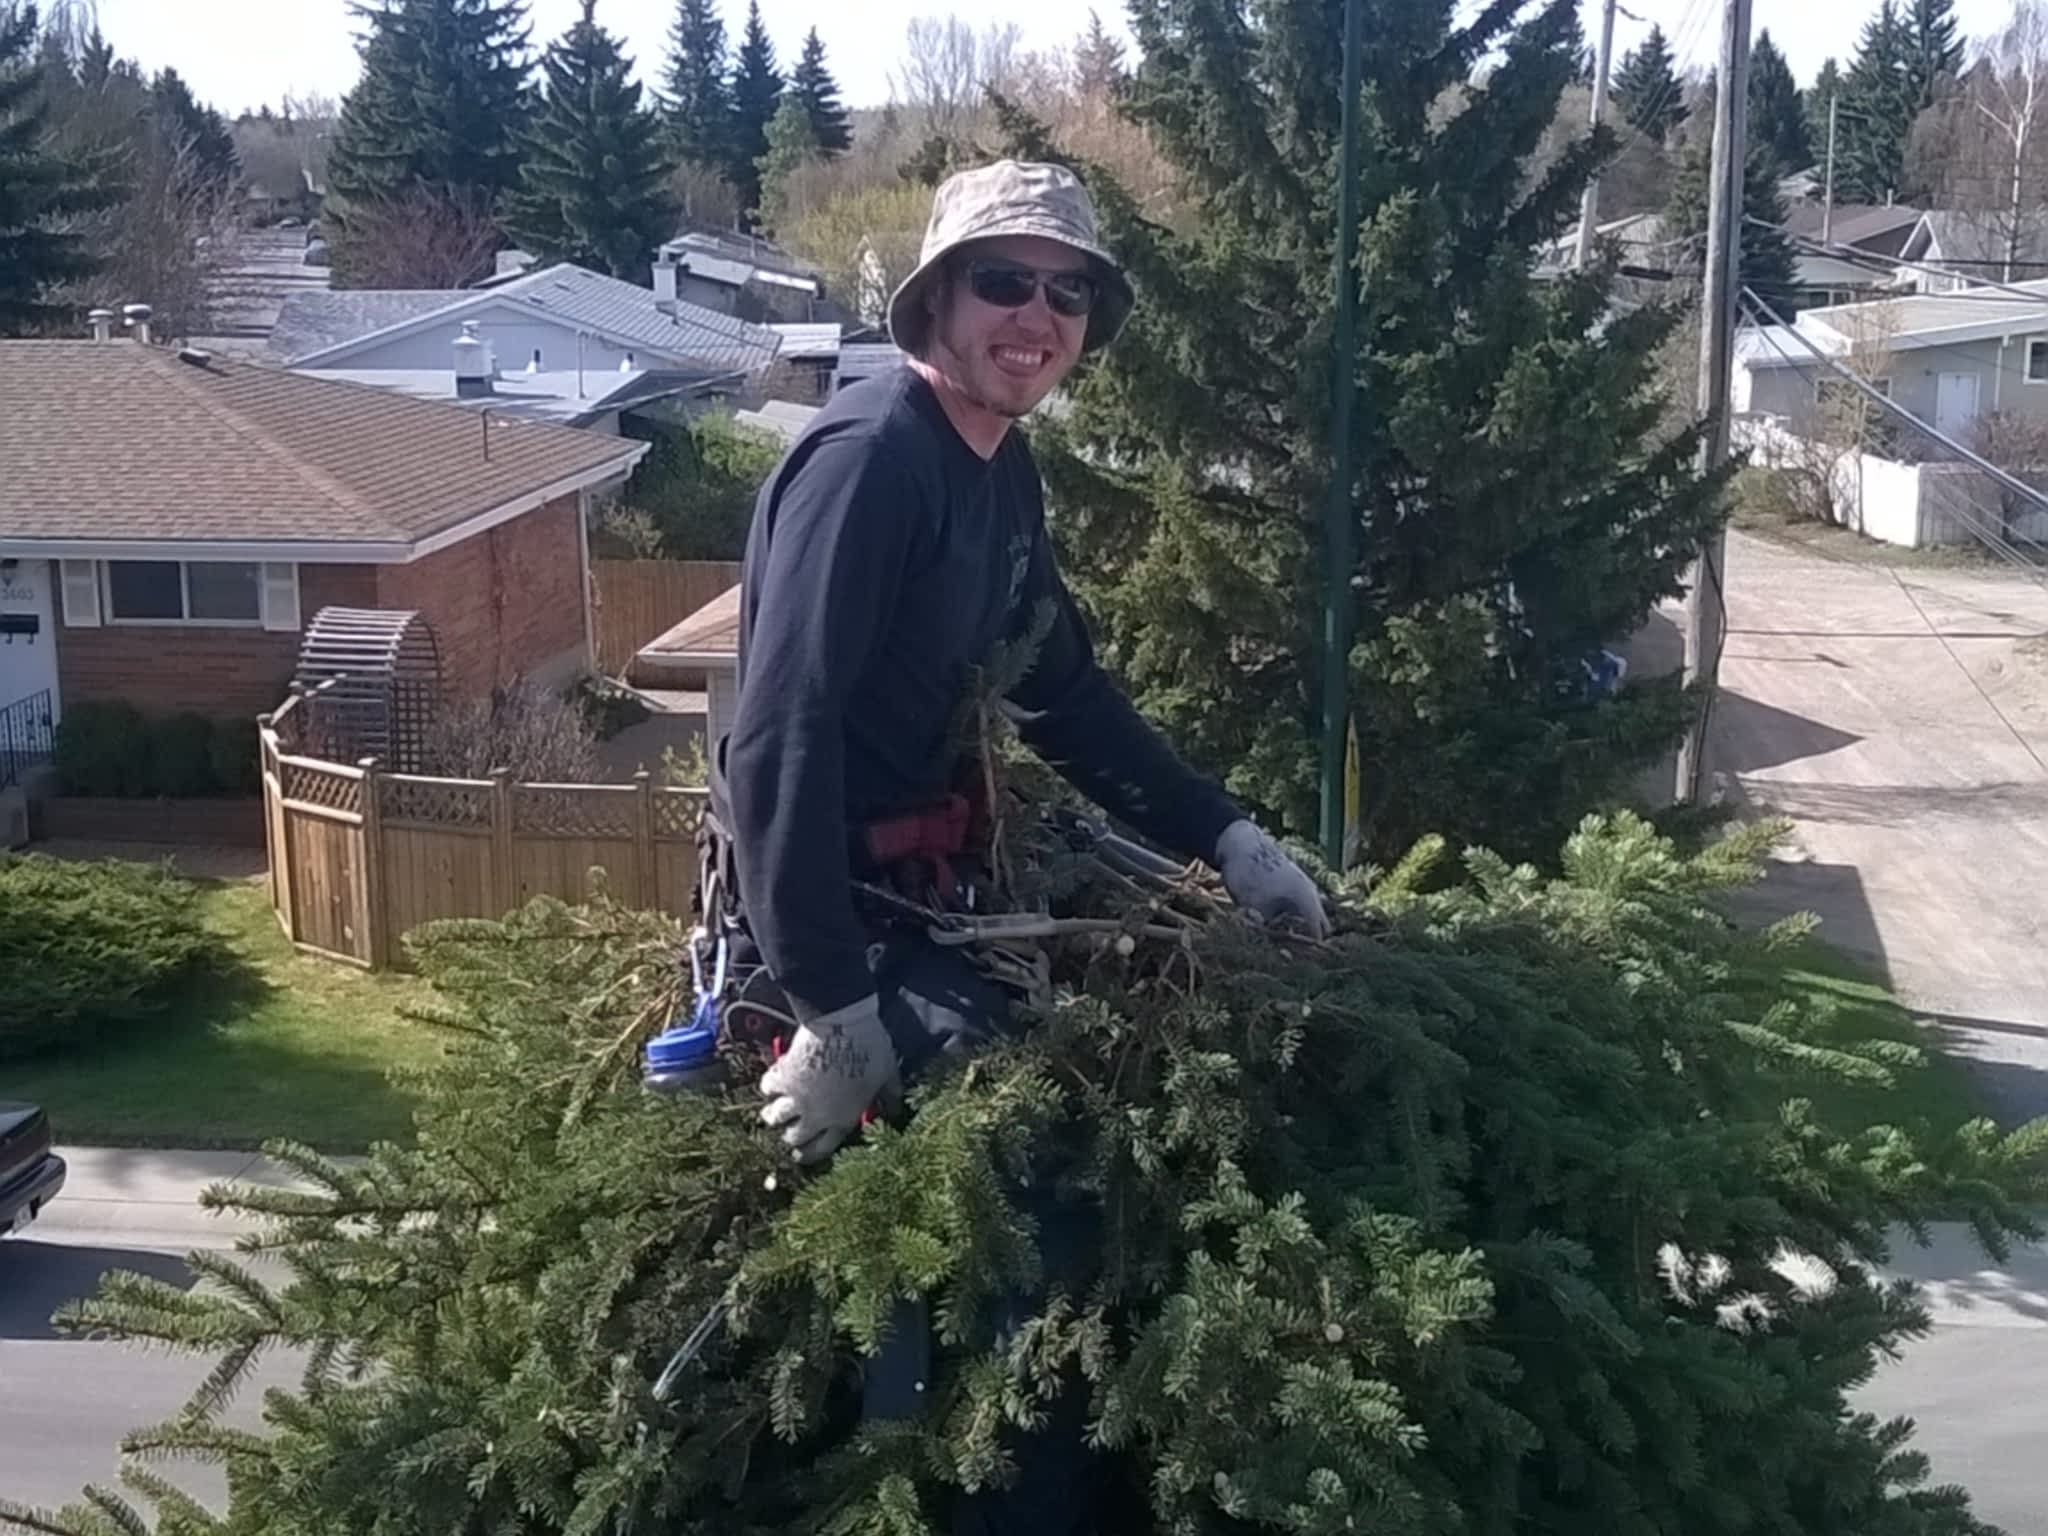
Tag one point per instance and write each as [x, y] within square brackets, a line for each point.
[472, 364]
[136, 318]
[665, 283]
[196, 356]
[102, 323]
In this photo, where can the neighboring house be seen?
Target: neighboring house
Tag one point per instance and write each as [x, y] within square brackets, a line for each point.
[170, 521]
[701, 652]
[864, 360]
[1876, 235]
[563, 344]
[781, 418]
[1949, 359]
[1973, 248]
[1639, 239]
[809, 358]
[747, 278]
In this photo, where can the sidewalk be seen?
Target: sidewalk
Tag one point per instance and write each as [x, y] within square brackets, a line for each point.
[149, 1197]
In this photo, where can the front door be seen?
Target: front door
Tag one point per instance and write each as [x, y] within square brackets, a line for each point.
[28, 630]
[1955, 405]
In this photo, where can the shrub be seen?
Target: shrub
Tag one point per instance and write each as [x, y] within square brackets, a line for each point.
[181, 755]
[102, 748]
[697, 487]
[535, 734]
[87, 947]
[235, 760]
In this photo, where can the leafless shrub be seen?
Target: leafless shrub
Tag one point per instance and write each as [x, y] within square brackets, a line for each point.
[427, 238]
[530, 731]
[2018, 445]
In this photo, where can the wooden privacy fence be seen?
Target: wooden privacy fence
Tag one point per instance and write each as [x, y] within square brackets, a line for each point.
[360, 857]
[638, 600]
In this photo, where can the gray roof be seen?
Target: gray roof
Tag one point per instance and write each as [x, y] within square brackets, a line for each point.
[817, 341]
[309, 322]
[1853, 223]
[622, 312]
[1979, 240]
[555, 395]
[1918, 320]
[782, 418]
[861, 359]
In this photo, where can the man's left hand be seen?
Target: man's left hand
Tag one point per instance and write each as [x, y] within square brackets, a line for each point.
[1261, 877]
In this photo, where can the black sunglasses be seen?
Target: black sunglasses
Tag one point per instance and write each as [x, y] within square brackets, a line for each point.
[1006, 285]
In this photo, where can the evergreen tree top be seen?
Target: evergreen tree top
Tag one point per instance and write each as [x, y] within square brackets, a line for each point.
[699, 94]
[593, 187]
[1777, 113]
[817, 92]
[1647, 87]
[39, 186]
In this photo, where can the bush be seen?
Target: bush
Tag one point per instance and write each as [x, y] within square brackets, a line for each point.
[89, 947]
[181, 756]
[696, 488]
[535, 734]
[109, 747]
[101, 748]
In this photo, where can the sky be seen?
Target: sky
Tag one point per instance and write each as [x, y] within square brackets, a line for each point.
[240, 53]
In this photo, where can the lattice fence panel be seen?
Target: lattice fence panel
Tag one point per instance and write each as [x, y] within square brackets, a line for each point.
[581, 811]
[320, 786]
[435, 804]
[677, 812]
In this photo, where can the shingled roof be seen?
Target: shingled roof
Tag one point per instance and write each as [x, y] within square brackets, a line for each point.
[116, 443]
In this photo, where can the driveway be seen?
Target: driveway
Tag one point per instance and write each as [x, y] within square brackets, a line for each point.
[69, 1400]
[1899, 715]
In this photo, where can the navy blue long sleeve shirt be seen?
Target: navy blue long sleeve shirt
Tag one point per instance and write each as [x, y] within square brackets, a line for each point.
[885, 561]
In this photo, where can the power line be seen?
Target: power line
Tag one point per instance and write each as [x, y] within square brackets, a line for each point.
[1853, 256]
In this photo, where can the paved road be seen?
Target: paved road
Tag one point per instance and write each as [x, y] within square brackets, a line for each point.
[67, 1402]
[1900, 715]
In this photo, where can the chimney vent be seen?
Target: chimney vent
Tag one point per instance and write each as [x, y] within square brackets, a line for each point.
[472, 364]
[665, 283]
[195, 356]
[136, 318]
[102, 323]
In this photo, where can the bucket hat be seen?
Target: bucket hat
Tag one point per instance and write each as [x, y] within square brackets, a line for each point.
[1012, 197]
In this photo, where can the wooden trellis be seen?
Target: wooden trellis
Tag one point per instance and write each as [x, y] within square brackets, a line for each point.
[372, 679]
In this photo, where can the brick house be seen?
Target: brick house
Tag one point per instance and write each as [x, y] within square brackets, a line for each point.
[170, 521]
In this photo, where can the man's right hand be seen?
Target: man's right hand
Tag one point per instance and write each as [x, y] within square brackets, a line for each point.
[838, 1064]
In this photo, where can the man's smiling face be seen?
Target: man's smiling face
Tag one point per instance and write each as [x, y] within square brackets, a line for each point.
[1006, 360]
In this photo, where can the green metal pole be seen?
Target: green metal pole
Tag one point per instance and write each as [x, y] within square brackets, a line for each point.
[1339, 541]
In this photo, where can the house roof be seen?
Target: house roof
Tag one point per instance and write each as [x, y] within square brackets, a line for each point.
[808, 342]
[711, 634]
[118, 446]
[1855, 224]
[557, 395]
[620, 312]
[1978, 242]
[1921, 320]
[311, 322]
[784, 418]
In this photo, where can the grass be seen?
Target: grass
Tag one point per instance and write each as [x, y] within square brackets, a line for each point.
[1935, 1098]
[280, 1045]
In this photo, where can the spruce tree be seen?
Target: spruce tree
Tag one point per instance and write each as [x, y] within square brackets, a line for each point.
[441, 109]
[1647, 90]
[1522, 1204]
[1516, 506]
[200, 129]
[1933, 50]
[756, 93]
[814, 89]
[1777, 114]
[1876, 112]
[1769, 264]
[791, 145]
[699, 95]
[1099, 71]
[593, 189]
[1826, 88]
[39, 188]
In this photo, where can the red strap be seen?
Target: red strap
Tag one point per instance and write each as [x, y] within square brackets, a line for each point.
[936, 836]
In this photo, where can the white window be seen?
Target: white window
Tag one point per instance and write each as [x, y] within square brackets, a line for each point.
[221, 593]
[81, 587]
[2037, 360]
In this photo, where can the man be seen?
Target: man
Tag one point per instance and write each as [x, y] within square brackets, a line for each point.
[902, 539]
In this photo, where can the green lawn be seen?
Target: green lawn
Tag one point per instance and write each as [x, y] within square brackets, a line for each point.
[286, 1046]
[1938, 1096]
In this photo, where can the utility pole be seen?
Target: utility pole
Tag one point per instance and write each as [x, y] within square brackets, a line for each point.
[1339, 544]
[1704, 620]
[1589, 207]
[1827, 205]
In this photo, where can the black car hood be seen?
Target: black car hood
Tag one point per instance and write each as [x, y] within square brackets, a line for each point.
[14, 1115]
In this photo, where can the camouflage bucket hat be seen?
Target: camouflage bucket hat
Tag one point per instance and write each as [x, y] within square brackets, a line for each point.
[1012, 197]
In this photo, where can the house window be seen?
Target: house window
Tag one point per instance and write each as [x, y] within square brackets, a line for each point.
[213, 592]
[2037, 360]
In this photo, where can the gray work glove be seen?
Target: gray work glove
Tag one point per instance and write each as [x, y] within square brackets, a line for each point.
[1261, 878]
[838, 1064]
